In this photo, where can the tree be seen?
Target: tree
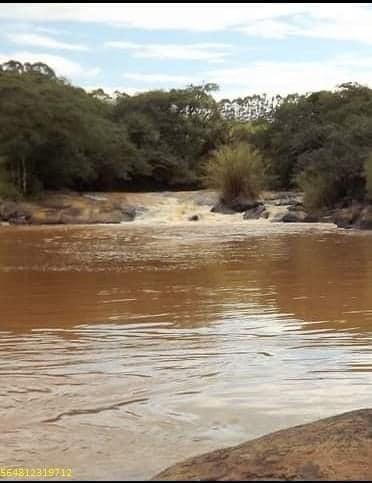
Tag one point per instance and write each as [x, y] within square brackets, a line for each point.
[172, 131]
[324, 134]
[53, 135]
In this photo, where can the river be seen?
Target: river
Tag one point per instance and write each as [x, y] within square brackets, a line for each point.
[124, 349]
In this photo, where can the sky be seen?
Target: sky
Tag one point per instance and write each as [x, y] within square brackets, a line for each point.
[277, 48]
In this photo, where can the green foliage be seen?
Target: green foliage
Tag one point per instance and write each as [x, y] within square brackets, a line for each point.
[319, 190]
[235, 171]
[7, 188]
[326, 135]
[57, 136]
[243, 132]
[368, 176]
[172, 132]
[52, 135]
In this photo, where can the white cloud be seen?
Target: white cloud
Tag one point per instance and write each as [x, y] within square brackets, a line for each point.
[288, 77]
[272, 77]
[36, 40]
[340, 21]
[62, 66]
[111, 90]
[210, 52]
[191, 17]
[347, 22]
[50, 30]
[166, 79]
[27, 27]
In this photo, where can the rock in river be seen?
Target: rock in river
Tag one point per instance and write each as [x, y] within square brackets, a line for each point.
[335, 448]
[238, 204]
[258, 211]
[365, 220]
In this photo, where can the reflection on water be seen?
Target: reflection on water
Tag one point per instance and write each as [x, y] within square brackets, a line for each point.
[125, 349]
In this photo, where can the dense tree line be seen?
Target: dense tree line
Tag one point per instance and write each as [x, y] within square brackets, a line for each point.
[57, 136]
[321, 142]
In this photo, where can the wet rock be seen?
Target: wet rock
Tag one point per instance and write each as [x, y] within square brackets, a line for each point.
[297, 216]
[335, 448]
[95, 196]
[111, 217]
[19, 220]
[14, 213]
[45, 216]
[55, 201]
[62, 208]
[285, 198]
[297, 206]
[204, 197]
[242, 204]
[255, 213]
[313, 218]
[8, 209]
[237, 205]
[140, 210]
[220, 207]
[57, 209]
[194, 218]
[347, 217]
[74, 216]
[128, 212]
[365, 220]
[321, 218]
[278, 215]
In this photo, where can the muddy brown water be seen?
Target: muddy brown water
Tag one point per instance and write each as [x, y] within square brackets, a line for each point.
[124, 349]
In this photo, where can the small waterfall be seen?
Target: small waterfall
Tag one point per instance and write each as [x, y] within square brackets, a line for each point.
[169, 207]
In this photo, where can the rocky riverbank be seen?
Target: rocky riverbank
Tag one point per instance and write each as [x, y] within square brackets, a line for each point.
[288, 207]
[336, 448]
[56, 209]
[192, 206]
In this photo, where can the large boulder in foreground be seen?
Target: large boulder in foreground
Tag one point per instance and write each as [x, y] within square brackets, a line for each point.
[336, 448]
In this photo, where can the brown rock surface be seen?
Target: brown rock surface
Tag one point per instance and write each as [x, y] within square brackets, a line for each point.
[336, 448]
[72, 208]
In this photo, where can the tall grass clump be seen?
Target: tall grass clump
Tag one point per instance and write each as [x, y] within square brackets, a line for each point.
[320, 189]
[235, 171]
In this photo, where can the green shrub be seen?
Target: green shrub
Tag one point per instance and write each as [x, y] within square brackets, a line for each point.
[235, 171]
[8, 191]
[319, 189]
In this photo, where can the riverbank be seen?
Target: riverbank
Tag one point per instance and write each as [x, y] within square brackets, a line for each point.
[180, 206]
[336, 448]
[72, 208]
